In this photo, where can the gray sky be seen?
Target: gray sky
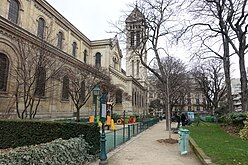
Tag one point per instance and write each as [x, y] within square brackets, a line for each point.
[91, 17]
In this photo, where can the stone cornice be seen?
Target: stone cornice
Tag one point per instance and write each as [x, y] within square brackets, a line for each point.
[138, 84]
[52, 11]
[104, 42]
[118, 74]
[42, 9]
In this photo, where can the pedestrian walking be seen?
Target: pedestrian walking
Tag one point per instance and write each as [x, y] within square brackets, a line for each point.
[184, 119]
[177, 118]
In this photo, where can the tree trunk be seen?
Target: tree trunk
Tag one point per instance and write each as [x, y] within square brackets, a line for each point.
[78, 115]
[167, 116]
[243, 80]
[226, 65]
[168, 106]
[17, 105]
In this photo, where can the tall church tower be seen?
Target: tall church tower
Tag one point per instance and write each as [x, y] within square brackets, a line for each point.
[136, 31]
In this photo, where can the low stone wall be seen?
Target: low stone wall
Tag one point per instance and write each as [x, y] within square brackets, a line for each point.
[205, 160]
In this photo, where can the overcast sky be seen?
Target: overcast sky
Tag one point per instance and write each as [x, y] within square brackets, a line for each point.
[91, 17]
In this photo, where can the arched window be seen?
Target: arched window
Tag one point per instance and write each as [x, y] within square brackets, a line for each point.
[13, 11]
[135, 98]
[40, 82]
[118, 96]
[142, 101]
[138, 62]
[4, 68]
[98, 59]
[137, 38]
[41, 28]
[85, 56]
[74, 49]
[132, 67]
[138, 99]
[60, 40]
[116, 62]
[65, 88]
[132, 39]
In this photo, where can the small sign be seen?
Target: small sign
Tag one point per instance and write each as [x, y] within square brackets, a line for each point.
[191, 116]
[104, 111]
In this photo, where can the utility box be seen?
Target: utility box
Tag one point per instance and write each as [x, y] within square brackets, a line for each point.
[183, 140]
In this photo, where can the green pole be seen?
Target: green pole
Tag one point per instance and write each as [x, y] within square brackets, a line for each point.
[103, 111]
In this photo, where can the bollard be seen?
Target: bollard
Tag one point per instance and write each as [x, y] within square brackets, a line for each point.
[129, 131]
[133, 130]
[114, 138]
[183, 140]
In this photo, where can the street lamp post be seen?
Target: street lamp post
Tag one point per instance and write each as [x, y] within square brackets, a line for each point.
[124, 116]
[103, 113]
[96, 92]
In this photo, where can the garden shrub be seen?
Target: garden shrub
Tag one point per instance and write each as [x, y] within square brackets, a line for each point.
[234, 118]
[244, 132]
[73, 151]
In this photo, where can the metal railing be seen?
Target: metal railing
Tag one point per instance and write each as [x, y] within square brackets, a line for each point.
[122, 135]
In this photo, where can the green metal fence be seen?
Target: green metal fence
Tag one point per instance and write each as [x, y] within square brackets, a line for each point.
[120, 136]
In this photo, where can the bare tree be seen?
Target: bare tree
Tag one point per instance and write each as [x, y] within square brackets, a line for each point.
[174, 86]
[208, 28]
[158, 25]
[155, 105]
[157, 30]
[237, 19]
[78, 85]
[35, 66]
[225, 19]
[210, 78]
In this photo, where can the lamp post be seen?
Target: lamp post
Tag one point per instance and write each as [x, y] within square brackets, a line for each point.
[103, 113]
[124, 116]
[96, 92]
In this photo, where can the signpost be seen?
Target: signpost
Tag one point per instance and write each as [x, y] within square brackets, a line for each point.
[103, 113]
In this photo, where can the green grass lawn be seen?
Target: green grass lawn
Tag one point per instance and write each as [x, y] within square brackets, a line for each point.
[221, 147]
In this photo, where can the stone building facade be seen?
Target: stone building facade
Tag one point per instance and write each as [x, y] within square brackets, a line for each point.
[194, 100]
[37, 23]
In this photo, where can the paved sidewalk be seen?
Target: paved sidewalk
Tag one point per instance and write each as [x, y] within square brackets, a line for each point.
[144, 149]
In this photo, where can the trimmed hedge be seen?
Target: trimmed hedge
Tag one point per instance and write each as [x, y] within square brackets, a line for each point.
[17, 133]
[73, 151]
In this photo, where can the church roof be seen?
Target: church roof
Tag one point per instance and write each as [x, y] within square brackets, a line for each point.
[135, 15]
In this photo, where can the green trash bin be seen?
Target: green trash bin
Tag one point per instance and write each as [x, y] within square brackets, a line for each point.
[183, 140]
